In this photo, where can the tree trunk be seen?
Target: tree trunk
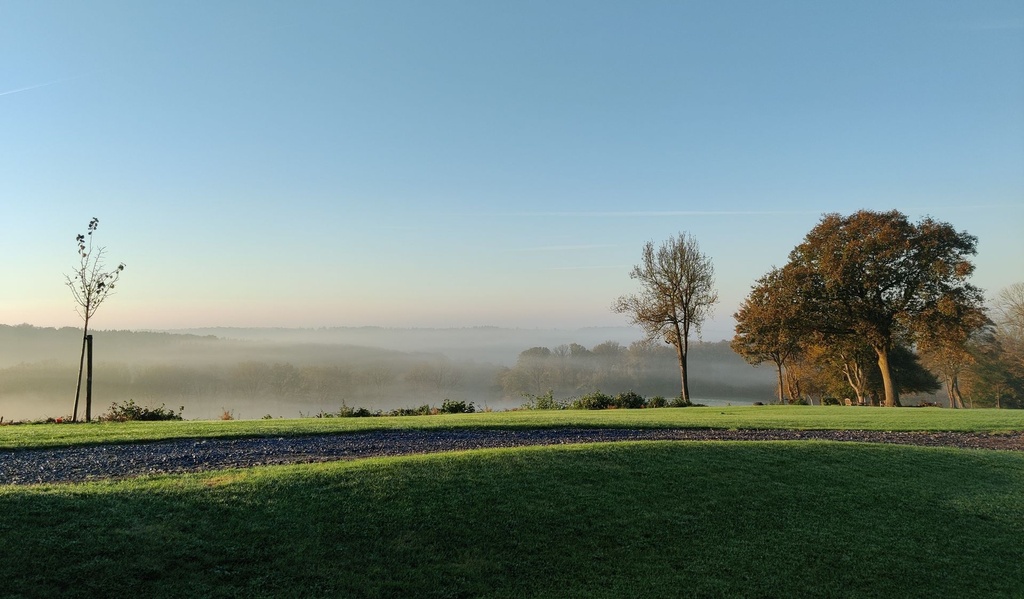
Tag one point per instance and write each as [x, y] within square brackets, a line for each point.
[78, 386]
[685, 393]
[680, 343]
[956, 399]
[792, 387]
[883, 366]
[957, 396]
[81, 368]
[778, 367]
[88, 379]
[855, 377]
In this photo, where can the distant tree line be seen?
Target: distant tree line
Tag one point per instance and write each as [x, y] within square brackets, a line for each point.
[645, 367]
[202, 373]
[329, 384]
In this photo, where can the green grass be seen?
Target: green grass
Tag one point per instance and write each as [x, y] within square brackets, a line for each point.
[652, 519]
[789, 417]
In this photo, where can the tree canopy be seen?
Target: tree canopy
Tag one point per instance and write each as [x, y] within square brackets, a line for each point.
[769, 323]
[879, 277]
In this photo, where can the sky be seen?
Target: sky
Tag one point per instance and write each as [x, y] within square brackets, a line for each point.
[483, 163]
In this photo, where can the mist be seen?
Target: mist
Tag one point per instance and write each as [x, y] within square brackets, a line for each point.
[256, 373]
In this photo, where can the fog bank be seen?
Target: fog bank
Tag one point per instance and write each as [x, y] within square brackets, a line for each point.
[253, 373]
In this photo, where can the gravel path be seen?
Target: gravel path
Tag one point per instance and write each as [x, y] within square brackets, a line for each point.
[76, 464]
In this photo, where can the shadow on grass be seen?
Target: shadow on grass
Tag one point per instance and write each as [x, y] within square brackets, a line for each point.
[640, 519]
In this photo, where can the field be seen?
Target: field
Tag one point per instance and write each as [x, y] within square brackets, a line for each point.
[651, 519]
[745, 417]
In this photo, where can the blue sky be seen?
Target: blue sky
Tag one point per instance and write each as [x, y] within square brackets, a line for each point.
[483, 163]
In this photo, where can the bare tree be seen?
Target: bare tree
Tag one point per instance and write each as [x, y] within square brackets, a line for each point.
[90, 286]
[677, 295]
[1009, 308]
[439, 376]
[378, 377]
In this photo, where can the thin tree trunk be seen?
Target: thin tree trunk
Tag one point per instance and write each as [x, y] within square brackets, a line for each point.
[792, 387]
[883, 366]
[681, 355]
[685, 393]
[959, 397]
[81, 368]
[956, 400]
[778, 367]
[88, 379]
[855, 377]
[686, 379]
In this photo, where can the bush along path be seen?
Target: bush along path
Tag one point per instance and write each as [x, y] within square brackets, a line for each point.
[77, 464]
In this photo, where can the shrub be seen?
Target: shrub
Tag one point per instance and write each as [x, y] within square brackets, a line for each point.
[130, 410]
[592, 401]
[346, 412]
[357, 413]
[424, 410]
[657, 402]
[451, 406]
[542, 402]
[629, 400]
[831, 401]
[679, 402]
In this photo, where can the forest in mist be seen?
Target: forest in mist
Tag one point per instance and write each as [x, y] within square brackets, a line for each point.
[252, 373]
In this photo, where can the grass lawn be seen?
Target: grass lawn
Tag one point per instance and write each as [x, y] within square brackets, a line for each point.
[789, 417]
[649, 519]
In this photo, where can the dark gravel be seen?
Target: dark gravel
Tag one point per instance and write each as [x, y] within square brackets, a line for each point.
[76, 464]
